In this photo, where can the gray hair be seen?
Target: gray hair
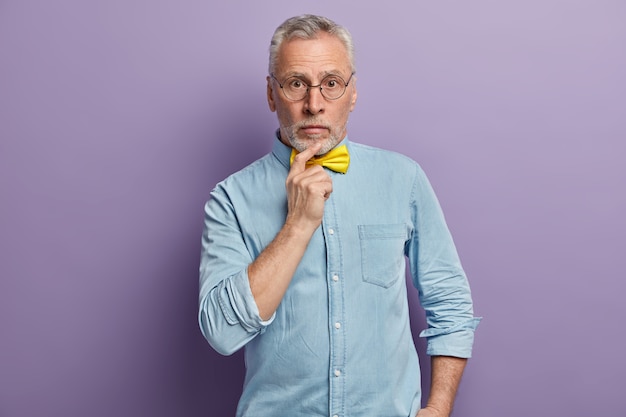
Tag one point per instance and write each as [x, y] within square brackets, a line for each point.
[307, 26]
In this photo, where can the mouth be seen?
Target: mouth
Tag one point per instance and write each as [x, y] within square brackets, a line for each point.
[314, 129]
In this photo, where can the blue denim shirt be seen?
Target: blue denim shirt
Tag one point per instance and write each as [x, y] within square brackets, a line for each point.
[340, 343]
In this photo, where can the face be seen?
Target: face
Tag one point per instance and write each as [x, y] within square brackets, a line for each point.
[313, 119]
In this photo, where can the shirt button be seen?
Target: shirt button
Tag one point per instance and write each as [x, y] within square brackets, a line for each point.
[335, 277]
[331, 231]
[335, 415]
[337, 372]
[337, 325]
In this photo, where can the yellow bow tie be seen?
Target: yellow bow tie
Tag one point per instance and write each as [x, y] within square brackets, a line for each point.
[336, 159]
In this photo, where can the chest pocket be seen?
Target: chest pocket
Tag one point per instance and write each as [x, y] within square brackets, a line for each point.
[382, 253]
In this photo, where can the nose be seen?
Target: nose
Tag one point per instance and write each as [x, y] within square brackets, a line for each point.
[314, 101]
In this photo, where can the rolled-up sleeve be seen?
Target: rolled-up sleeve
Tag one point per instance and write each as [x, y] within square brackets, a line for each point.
[228, 315]
[437, 274]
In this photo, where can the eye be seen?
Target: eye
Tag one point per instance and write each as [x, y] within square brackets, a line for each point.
[295, 84]
[332, 83]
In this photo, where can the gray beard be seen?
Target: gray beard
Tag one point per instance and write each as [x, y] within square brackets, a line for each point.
[301, 144]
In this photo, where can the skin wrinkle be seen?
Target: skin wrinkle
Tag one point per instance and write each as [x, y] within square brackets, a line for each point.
[304, 58]
[309, 81]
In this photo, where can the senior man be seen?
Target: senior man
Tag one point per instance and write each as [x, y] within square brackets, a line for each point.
[304, 255]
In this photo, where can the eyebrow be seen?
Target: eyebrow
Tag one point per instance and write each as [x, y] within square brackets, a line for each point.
[321, 75]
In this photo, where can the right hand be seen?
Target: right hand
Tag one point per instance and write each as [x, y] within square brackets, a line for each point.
[307, 191]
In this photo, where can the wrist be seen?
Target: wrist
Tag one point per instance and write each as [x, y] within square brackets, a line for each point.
[300, 228]
[438, 409]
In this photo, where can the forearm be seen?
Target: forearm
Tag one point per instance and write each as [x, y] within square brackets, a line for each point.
[446, 375]
[271, 272]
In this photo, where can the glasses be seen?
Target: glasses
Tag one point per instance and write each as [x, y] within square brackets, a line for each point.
[332, 87]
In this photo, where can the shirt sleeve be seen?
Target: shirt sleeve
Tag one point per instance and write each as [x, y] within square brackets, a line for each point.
[228, 315]
[437, 274]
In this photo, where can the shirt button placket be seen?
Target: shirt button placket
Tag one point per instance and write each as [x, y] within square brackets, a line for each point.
[335, 311]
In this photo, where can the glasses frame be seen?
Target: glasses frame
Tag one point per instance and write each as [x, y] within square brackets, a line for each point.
[308, 86]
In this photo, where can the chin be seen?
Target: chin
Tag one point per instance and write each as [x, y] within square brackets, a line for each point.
[302, 144]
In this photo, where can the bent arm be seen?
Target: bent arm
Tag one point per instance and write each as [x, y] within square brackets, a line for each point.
[239, 295]
[445, 296]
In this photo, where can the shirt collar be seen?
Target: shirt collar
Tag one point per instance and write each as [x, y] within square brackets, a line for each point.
[283, 152]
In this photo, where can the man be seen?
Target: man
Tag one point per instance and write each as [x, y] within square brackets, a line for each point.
[304, 264]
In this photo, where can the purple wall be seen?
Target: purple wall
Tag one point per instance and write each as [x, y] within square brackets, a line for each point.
[114, 119]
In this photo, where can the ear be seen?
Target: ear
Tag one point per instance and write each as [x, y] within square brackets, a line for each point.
[354, 94]
[270, 95]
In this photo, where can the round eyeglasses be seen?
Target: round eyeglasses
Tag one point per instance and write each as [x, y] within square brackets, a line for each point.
[332, 87]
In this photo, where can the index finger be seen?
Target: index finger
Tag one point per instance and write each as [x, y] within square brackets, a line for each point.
[299, 162]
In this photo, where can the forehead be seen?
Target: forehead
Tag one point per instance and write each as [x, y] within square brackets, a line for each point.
[313, 57]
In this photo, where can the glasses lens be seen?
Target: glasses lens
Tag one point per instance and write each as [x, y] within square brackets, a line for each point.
[333, 87]
[295, 88]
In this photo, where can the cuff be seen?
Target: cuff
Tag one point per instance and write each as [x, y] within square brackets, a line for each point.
[238, 305]
[452, 341]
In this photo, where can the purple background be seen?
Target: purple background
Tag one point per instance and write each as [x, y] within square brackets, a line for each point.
[115, 117]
